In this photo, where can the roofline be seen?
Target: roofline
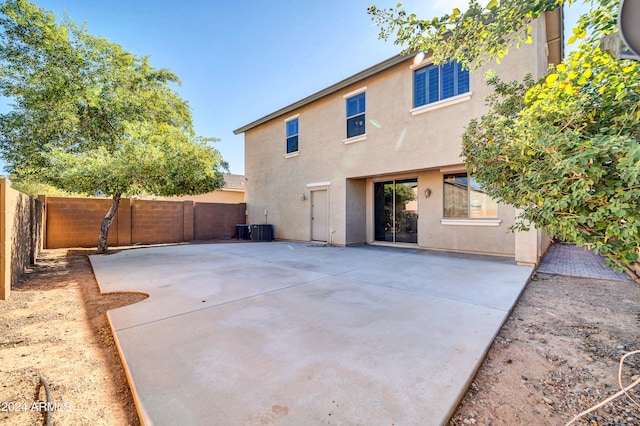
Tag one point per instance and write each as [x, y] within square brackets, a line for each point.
[328, 91]
[557, 43]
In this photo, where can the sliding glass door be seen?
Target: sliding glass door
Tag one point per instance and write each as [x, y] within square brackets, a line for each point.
[396, 211]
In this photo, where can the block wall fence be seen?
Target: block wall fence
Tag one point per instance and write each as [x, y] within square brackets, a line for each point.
[29, 224]
[75, 222]
[20, 234]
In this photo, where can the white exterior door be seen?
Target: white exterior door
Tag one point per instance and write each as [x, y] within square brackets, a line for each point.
[319, 216]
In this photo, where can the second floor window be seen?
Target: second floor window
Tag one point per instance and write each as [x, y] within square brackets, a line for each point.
[437, 82]
[292, 136]
[355, 115]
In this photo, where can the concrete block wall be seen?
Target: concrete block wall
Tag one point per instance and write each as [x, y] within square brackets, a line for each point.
[75, 222]
[157, 222]
[20, 234]
[217, 221]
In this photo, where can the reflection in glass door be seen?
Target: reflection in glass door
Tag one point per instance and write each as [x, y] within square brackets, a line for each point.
[396, 211]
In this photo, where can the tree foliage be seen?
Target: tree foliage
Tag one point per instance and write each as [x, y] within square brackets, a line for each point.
[563, 149]
[89, 117]
[473, 37]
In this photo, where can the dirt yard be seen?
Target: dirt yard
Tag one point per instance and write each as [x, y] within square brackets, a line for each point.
[54, 326]
[556, 355]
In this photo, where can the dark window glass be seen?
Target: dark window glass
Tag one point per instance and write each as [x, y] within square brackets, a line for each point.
[396, 211]
[355, 126]
[292, 144]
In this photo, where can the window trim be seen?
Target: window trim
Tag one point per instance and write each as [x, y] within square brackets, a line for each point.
[470, 222]
[454, 100]
[291, 154]
[354, 92]
[354, 139]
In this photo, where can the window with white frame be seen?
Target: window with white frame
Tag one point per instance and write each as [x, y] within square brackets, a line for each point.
[434, 83]
[356, 115]
[464, 198]
[292, 135]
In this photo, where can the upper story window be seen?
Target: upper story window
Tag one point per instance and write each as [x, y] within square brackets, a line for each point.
[292, 135]
[355, 115]
[464, 198]
[434, 83]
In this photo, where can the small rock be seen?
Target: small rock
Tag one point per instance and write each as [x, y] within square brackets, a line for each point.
[621, 347]
[547, 400]
[589, 359]
[524, 377]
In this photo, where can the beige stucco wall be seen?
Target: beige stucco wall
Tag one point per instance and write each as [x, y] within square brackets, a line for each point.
[398, 144]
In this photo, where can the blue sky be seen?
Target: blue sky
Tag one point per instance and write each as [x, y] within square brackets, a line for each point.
[241, 60]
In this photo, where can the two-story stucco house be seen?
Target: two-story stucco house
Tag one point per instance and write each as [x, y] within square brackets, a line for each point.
[375, 158]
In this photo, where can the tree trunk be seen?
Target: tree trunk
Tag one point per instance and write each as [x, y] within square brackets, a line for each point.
[106, 224]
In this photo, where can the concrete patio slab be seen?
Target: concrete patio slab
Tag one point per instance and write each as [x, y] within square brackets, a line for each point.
[292, 333]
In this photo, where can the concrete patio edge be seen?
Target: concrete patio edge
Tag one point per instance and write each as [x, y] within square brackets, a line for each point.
[147, 419]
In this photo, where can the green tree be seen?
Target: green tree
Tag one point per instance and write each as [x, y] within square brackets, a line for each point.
[563, 149]
[89, 117]
[39, 188]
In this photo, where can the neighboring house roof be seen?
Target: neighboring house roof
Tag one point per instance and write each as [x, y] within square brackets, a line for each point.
[233, 182]
[555, 45]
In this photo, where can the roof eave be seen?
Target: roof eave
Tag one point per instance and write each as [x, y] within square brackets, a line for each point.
[384, 65]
